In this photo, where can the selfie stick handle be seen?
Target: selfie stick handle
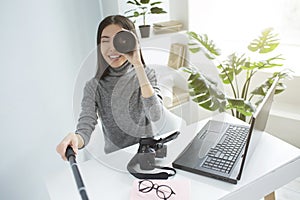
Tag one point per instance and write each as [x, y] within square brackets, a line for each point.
[70, 154]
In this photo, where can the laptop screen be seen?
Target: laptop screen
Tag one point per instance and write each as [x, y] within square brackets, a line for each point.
[259, 122]
[263, 110]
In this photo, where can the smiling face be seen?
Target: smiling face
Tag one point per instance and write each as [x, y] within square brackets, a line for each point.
[110, 54]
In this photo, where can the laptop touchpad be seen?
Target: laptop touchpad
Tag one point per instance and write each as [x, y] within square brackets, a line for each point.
[208, 142]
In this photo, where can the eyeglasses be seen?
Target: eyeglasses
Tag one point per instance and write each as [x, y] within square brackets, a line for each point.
[162, 191]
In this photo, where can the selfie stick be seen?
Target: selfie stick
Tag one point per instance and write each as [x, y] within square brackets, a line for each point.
[70, 154]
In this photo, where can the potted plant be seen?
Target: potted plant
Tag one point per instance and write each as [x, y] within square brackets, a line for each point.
[237, 72]
[142, 9]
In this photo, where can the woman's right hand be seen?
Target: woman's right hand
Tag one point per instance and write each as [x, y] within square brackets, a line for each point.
[72, 140]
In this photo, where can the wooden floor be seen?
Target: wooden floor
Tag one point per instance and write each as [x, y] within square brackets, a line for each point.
[290, 191]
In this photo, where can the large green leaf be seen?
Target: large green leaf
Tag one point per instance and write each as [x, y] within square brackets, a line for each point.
[269, 63]
[242, 106]
[266, 43]
[226, 74]
[203, 43]
[157, 10]
[135, 2]
[144, 1]
[231, 67]
[205, 92]
[155, 3]
[262, 89]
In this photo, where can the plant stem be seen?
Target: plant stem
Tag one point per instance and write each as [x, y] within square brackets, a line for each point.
[232, 88]
[245, 86]
[251, 97]
[232, 112]
[235, 79]
[236, 85]
[242, 117]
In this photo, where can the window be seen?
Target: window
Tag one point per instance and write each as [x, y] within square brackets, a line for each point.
[232, 24]
[240, 19]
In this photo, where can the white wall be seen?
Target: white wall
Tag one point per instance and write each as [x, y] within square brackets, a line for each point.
[42, 46]
[109, 7]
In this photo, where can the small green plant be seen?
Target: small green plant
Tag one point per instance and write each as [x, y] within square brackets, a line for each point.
[236, 71]
[144, 8]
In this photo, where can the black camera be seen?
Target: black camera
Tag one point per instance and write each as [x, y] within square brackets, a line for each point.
[150, 149]
[124, 42]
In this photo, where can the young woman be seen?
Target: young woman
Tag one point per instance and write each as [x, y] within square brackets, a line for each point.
[123, 94]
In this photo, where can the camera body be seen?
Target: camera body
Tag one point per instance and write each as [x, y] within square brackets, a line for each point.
[150, 149]
[124, 41]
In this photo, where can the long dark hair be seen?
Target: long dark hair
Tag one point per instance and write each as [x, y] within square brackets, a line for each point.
[123, 22]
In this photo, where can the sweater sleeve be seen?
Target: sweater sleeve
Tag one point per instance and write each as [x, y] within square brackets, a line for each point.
[153, 104]
[88, 115]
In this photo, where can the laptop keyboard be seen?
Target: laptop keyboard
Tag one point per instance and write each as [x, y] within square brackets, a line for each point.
[223, 156]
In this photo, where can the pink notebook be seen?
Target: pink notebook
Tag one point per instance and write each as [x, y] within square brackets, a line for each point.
[181, 189]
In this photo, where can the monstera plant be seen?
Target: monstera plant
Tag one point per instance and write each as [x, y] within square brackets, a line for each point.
[237, 72]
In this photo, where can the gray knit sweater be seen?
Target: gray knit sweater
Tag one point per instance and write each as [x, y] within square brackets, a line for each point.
[117, 100]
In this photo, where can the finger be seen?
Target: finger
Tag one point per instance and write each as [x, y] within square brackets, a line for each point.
[64, 158]
[61, 148]
[75, 145]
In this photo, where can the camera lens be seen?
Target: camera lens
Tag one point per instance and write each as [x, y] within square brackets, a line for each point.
[124, 42]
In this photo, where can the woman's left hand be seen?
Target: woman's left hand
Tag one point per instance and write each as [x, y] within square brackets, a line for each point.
[134, 57]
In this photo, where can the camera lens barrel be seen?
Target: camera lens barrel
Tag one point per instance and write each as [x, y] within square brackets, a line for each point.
[124, 42]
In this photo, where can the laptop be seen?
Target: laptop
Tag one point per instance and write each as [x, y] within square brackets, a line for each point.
[219, 150]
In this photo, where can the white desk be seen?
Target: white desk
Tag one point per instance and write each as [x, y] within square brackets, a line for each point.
[273, 164]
